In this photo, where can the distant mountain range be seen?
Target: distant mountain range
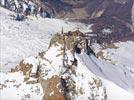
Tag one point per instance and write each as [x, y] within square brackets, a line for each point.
[114, 15]
[107, 16]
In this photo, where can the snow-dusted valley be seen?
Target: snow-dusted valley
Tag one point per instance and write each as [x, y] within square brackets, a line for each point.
[38, 61]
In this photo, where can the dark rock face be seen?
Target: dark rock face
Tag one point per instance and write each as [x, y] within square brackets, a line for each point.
[121, 1]
[133, 16]
[94, 8]
[113, 19]
[117, 17]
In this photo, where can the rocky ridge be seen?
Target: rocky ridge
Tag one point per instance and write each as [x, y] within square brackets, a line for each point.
[60, 82]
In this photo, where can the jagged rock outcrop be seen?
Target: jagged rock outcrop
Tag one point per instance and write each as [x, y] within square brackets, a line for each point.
[68, 81]
[52, 89]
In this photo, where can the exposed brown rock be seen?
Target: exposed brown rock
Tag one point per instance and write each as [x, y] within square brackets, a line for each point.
[112, 46]
[25, 68]
[70, 38]
[52, 89]
[2, 86]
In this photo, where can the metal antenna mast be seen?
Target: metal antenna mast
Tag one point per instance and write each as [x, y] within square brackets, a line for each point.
[64, 47]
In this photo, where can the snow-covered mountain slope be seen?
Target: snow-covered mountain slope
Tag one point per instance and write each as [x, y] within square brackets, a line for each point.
[117, 74]
[79, 82]
[121, 54]
[43, 76]
[22, 39]
[13, 87]
[117, 60]
[85, 86]
[114, 92]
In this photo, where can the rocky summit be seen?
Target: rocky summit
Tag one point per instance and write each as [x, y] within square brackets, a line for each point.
[66, 49]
